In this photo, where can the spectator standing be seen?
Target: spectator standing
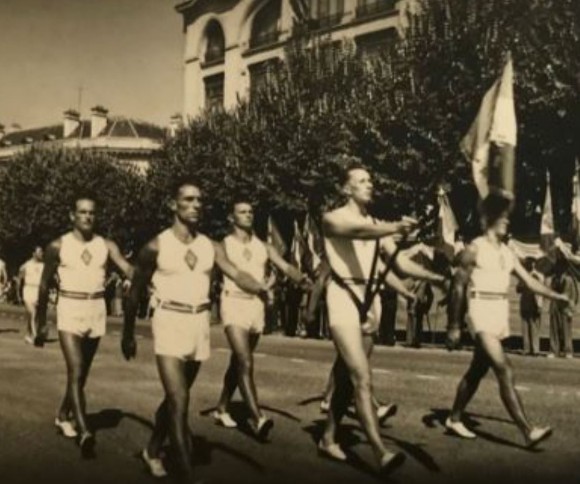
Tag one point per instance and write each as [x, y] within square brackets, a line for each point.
[530, 311]
[561, 313]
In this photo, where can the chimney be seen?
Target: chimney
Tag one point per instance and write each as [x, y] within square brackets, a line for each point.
[175, 124]
[98, 120]
[71, 121]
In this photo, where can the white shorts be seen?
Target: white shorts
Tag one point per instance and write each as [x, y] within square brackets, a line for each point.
[181, 335]
[30, 295]
[83, 317]
[490, 316]
[243, 312]
[342, 311]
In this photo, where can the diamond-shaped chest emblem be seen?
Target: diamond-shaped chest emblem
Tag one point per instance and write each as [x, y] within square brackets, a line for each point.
[247, 254]
[190, 259]
[86, 257]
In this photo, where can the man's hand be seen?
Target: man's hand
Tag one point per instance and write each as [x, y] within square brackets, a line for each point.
[407, 225]
[129, 346]
[453, 339]
[41, 336]
[564, 298]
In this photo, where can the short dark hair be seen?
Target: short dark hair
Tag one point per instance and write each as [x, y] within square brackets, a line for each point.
[239, 200]
[184, 182]
[82, 196]
[348, 164]
[493, 207]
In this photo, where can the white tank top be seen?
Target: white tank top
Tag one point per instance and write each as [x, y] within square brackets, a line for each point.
[352, 259]
[82, 264]
[250, 257]
[32, 273]
[493, 267]
[183, 270]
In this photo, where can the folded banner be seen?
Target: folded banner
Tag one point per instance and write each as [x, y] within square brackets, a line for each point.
[447, 225]
[547, 225]
[490, 142]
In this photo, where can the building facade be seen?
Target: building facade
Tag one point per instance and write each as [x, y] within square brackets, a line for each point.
[229, 44]
[130, 141]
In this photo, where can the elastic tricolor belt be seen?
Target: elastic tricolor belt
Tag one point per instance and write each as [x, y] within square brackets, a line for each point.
[180, 307]
[490, 295]
[87, 296]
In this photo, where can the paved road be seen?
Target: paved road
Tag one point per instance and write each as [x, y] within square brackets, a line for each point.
[291, 374]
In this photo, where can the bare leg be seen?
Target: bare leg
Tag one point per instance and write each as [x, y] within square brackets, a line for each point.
[161, 427]
[505, 376]
[352, 375]
[177, 377]
[78, 354]
[31, 311]
[470, 382]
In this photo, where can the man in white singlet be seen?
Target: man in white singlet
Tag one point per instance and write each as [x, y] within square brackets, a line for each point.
[179, 262]
[29, 281]
[354, 244]
[79, 258]
[243, 315]
[489, 264]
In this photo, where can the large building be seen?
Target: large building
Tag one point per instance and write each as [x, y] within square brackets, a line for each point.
[128, 140]
[229, 44]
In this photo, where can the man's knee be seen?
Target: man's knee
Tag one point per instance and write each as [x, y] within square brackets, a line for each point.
[503, 370]
[177, 401]
[361, 380]
[244, 364]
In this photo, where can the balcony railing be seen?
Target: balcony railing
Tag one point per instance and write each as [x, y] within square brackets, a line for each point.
[366, 9]
[261, 40]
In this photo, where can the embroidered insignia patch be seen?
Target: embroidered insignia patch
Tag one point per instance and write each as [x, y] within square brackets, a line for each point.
[86, 257]
[190, 259]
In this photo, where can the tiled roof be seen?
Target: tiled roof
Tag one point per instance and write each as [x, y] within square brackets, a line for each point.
[116, 128]
[36, 134]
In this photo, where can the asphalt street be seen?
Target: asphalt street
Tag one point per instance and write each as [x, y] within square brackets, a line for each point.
[291, 374]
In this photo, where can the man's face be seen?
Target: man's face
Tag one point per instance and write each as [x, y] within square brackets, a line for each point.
[38, 253]
[243, 215]
[187, 205]
[359, 186]
[500, 227]
[83, 217]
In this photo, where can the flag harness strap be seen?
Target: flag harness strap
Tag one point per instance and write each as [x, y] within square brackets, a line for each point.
[371, 292]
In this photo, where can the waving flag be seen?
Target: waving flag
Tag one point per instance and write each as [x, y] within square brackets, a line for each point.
[490, 142]
[313, 243]
[447, 225]
[297, 249]
[576, 208]
[547, 225]
[274, 238]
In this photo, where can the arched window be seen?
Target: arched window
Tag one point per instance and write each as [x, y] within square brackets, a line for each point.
[216, 42]
[265, 25]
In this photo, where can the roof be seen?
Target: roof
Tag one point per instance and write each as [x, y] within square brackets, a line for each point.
[116, 127]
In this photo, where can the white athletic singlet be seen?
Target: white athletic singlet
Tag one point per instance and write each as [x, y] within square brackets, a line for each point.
[183, 270]
[493, 267]
[32, 273]
[82, 264]
[250, 257]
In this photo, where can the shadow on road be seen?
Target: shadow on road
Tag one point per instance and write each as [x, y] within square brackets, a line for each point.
[438, 416]
[9, 330]
[348, 438]
[309, 400]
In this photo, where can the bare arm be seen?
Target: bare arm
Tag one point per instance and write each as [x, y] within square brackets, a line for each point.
[398, 285]
[19, 282]
[144, 269]
[51, 263]
[118, 259]
[244, 280]
[316, 291]
[288, 269]
[534, 285]
[334, 225]
[407, 266]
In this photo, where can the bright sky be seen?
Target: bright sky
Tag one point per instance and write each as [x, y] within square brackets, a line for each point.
[127, 55]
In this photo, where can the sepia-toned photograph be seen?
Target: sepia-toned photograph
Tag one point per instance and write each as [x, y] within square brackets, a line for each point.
[290, 241]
